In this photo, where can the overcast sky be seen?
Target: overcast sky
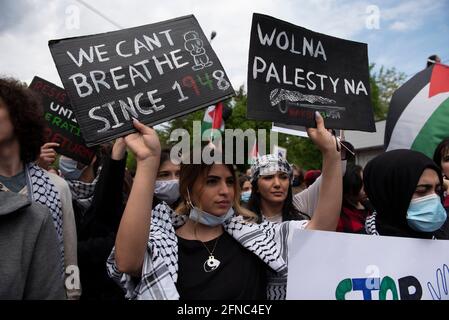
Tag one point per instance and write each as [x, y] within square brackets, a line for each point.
[399, 34]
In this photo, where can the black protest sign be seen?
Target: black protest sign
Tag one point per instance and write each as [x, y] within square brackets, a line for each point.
[61, 125]
[293, 72]
[153, 73]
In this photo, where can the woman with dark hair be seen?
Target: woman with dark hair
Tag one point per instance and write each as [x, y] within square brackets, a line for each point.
[21, 138]
[166, 187]
[245, 188]
[272, 198]
[193, 253]
[355, 208]
[298, 183]
[26, 122]
[441, 158]
[405, 188]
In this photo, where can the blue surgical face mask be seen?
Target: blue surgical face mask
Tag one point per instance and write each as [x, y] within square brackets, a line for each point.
[244, 196]
[208, 219]
[426, 214]
[167, 190]
[69, 168]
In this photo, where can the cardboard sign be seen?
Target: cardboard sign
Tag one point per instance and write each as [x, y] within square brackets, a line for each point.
[153, 73]
[343, 266]
[294, 72]
[61, 122]
[280, 152]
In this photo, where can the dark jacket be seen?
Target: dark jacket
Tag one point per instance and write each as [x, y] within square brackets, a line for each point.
[96, 231]
[30, 266]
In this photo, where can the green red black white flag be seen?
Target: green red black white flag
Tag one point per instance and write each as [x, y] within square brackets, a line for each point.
[418, 117]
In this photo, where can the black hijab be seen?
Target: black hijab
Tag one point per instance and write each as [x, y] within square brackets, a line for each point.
[390, 180]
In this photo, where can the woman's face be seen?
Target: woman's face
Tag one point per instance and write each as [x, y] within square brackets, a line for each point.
[274, 188]
[246, 186]
[428, 183]
[215, 194]
[445, 163]
[168, 171]
[362, 195]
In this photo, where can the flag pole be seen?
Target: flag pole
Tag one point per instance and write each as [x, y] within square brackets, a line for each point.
[213, 34]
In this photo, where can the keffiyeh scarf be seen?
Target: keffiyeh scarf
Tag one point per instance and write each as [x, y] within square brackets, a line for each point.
[160, 268]
[83, 192]
[269, 164]
[42, 190]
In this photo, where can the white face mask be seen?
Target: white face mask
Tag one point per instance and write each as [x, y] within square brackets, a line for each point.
[69, 168]
[167, 190]
[208, 219]
[205, 218]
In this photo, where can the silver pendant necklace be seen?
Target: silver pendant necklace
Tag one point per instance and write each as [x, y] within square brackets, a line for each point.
[211, 263]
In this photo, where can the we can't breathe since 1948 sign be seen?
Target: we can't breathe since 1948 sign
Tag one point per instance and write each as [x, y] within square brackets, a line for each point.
[293, 72]
[153, 73]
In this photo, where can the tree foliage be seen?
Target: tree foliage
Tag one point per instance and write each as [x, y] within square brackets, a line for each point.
[383, 84]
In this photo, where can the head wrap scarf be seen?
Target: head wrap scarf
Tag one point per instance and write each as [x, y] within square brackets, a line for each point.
[270, 164]
[390, 180]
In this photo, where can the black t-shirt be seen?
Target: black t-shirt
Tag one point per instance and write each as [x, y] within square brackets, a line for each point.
[240, 275]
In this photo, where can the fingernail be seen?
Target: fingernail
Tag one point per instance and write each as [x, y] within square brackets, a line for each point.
[317, 113]
[135, 119]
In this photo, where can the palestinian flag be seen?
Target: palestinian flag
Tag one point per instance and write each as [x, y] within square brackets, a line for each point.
[418, 117]
[213, 119]
[253, 154]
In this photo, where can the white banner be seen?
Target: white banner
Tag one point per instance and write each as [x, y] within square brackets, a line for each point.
[299, 131]
[342, 266]
[293, 130]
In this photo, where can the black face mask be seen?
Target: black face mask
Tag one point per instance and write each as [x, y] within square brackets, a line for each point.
[295, 182]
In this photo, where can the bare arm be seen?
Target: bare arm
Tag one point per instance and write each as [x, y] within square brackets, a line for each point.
[134, 229]
[327, 212]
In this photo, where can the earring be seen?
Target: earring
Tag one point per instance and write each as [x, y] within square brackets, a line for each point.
[189, 201]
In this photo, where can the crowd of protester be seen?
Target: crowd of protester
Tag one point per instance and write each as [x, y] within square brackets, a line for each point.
[181, 231]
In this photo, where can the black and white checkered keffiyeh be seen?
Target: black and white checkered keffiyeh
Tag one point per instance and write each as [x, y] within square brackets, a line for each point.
[83, 192]
[370, 224]
[270, 164]
[44, 192]
[160, 268]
